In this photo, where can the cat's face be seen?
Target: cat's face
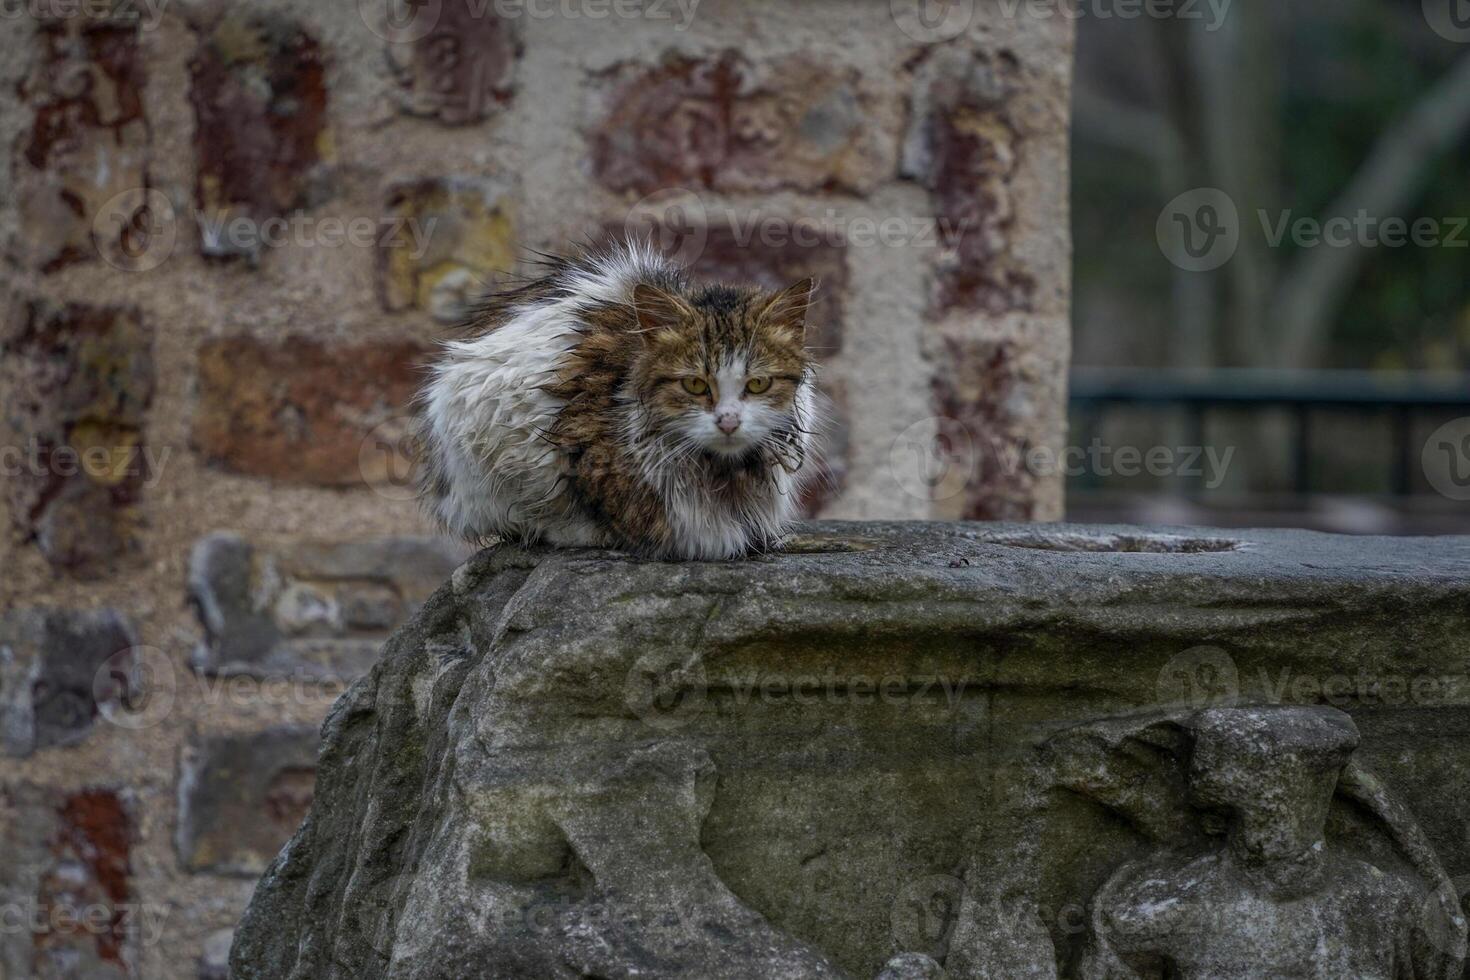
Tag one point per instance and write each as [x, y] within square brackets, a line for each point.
[722, 372]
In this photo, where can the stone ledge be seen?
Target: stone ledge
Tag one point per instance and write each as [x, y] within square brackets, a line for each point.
[956, 750]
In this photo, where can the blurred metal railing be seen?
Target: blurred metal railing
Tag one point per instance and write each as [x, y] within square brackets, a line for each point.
[1401, 396]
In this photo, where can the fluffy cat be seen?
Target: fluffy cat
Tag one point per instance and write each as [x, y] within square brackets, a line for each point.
[611, 402]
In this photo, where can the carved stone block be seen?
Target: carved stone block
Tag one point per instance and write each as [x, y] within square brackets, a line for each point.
[897, 750]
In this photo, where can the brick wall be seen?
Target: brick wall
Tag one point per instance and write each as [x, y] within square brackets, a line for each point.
[231, 232]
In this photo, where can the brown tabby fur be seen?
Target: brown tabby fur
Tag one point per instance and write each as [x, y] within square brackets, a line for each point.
[681, 333]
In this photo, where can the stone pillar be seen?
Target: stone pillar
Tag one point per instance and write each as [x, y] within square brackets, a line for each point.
[230, 234]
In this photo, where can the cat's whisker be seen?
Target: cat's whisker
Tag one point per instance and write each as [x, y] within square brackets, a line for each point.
[594, 407]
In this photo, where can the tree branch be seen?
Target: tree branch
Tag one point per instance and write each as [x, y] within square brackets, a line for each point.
[1319, 278]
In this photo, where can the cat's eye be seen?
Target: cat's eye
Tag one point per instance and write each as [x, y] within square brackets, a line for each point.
[696, 386]
[758, 386]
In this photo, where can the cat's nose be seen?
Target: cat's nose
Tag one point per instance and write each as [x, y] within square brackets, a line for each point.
[727, 422]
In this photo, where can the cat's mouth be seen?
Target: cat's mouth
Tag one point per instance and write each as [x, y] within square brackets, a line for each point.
[745, 457]
[732, 448]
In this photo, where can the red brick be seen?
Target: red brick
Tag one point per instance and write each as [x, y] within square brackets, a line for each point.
[964, 146]
[88, 141]
[463, 69]
[298, 411]
[720, 122]
[77, 381]
[259, 91]
[68, 883]
[977, 389]
[777, 264]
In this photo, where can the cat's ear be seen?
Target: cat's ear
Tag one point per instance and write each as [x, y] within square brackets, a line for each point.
[787, 309]
[658, 310]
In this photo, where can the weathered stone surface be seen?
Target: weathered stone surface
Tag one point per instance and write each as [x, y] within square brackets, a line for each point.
[242, 796]
[912, 966]
[723, 123]
[984, 408]
[301, 411]
[463, 234]
[572, 763]
[89, 140]
[76, 383]
[462, 68]
[49, 663]
[964, 145]
[309, 609]
[262, 145]
[65, 886]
